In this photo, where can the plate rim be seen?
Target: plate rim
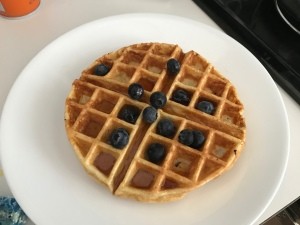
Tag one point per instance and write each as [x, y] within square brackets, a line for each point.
[124, 16]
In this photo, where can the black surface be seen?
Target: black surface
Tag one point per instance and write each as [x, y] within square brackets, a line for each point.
[289, 215]
[291, 11]
[258, 26]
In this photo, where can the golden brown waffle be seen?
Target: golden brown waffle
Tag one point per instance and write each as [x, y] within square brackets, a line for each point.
[92, 112]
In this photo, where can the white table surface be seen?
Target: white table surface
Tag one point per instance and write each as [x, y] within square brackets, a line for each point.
[21, 39]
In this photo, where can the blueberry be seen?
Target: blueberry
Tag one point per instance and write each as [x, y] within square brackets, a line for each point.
[186, 137]
[158, 99]
[119, 138]
[206, 106]
[135, 91]
[198, 139]
[166, 128]
[173, 66]
[129, 113]
[156, 153]
[181, 96]
[101, 69]
[149, 114]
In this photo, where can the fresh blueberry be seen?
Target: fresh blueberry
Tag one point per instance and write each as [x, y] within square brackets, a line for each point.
[135, 91]
[198, 139]
[119, 138]
[129, 113]
[206, 106]
[181, 96]
[156, 153]
[166, 128]
[186, 137]
[101, 69]
[173, 66]
[158, 99]
[149, 114]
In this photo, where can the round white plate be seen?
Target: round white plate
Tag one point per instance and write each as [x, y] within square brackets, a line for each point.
[51, 185]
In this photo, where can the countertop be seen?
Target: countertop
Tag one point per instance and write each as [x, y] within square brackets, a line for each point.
[21, 39]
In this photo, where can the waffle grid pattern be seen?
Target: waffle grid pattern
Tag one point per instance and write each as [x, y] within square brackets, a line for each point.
[94, 103]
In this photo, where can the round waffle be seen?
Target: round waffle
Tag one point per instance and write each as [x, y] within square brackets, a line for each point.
[93, 109]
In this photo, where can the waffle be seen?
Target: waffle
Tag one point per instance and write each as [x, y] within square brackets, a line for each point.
[93, 110]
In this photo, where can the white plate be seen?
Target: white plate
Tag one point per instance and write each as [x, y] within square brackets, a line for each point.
[51, 185]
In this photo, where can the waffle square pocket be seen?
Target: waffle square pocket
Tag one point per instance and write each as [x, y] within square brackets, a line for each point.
[179, 126]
